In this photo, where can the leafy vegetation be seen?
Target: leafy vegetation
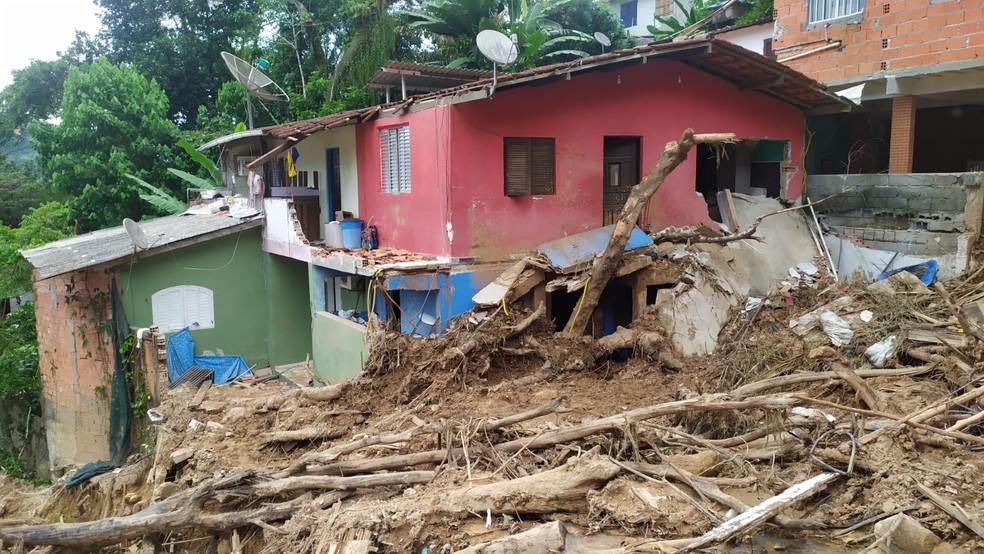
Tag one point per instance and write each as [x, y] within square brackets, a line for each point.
[760, 10]
[671, 26]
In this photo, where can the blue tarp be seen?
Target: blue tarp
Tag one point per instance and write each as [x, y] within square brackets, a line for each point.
[181, 356]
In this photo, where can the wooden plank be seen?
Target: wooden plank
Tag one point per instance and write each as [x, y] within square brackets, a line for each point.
[952, 508]
[272, 154]
[202, 391]
[938, 336]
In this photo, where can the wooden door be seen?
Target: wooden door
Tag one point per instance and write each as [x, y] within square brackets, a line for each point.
[621, 173]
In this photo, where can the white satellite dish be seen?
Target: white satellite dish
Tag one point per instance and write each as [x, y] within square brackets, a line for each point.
[137, 236]
[498, 48]
[254, 81]
[603, 39]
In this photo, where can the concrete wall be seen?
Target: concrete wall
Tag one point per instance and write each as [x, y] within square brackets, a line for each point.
[232, 267]
[655, 101]
[282, 232]
[76, 361]
[932, 216]
[918, 34]
[314, 158]
[339, 347]
[288, 309]
[750, 38]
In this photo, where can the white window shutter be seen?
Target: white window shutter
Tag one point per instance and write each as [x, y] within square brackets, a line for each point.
[181, 306]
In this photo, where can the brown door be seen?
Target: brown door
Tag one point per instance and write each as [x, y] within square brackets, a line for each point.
[621, 173]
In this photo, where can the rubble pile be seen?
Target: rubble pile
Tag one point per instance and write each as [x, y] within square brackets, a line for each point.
[831, 418]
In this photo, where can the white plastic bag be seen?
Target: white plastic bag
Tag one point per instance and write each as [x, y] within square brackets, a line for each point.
[838, 331]
[881, 351]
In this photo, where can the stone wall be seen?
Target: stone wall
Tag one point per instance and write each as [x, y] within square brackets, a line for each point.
[76, 359]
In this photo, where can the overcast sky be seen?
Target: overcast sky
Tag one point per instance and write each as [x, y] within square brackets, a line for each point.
[38, 29]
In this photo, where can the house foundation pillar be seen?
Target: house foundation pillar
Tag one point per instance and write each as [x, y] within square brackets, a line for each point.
[903, 134]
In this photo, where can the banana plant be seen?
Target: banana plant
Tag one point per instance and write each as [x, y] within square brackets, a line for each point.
[164, 201]
[672, 26]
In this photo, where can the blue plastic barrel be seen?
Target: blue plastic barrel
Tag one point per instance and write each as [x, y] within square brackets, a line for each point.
[351, 233]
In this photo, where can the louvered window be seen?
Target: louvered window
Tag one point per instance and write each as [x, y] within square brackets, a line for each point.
[394, 155]
[529, 166]
[183, 306]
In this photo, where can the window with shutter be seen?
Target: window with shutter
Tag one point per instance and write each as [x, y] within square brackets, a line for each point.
[175, 308]
[394, 156]
[528, 166]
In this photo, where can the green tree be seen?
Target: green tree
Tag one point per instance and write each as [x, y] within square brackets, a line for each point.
[454, 24]
[20, 387]
[589, 16]
[19, 193]
[177, 43]
[46, 223]
[113, 123]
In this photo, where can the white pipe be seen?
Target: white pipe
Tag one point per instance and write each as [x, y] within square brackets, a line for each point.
[140, 334]
[835, 44]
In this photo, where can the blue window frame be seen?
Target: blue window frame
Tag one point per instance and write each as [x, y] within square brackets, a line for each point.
[628, 11]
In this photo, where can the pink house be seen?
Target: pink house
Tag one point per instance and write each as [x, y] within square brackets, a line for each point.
[473, 175]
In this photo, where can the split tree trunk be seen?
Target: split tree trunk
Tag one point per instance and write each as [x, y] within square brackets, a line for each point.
[674, 153]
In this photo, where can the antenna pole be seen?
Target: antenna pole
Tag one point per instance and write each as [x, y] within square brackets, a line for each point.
[249, 110]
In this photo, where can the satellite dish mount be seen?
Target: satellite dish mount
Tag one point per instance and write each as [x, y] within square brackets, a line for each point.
[498, 48]
[254, 81]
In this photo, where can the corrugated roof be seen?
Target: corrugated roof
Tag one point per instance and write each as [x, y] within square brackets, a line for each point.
[106, 246]
[418, 77]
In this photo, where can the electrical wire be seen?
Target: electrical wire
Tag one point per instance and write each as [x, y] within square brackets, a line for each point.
[225, 265]
[584, 292]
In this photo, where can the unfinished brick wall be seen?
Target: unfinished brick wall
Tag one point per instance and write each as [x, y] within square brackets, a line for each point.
[903, 134]
[76, 358]
[890, 36]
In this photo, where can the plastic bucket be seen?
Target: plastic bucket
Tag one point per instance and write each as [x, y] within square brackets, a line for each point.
[333, 235]
[351, 233]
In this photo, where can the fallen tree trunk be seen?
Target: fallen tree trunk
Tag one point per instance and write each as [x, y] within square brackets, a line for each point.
[301, 435]
[746, 520]
[549, 537]
[674, 153]
[563, 489]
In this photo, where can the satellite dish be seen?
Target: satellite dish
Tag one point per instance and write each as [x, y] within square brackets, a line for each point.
[255, 81]
[137, 236]
[603, 40]
[497, 47]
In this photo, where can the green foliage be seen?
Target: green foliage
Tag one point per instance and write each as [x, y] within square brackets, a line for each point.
[20, 385]
[761, 10]
[589, 16]
[113, 123]
[46, 223]
[160, 199]
[35, 93]
[19, 192]
[672, 27]
[177, 44]
[454, 24]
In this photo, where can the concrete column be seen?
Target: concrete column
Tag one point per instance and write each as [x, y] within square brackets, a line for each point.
[903, 134]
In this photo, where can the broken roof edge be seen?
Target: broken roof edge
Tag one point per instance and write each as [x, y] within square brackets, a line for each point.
[219, 141]
[40, 273]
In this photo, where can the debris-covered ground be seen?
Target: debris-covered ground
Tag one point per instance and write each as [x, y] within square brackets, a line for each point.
[793, 436]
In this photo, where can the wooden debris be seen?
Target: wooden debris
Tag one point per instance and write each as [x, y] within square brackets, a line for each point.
[953, 509]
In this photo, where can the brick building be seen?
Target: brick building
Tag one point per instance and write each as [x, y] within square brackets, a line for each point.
[915, 66]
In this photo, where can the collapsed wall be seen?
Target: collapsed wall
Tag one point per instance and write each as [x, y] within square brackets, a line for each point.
[888, 221]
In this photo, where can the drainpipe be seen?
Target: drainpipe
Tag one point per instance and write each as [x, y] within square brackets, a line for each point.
[835, 44]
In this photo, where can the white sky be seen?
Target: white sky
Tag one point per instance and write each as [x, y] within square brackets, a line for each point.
[38, 29]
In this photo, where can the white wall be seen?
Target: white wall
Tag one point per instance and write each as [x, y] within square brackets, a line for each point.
[314, 158]
[750, 38]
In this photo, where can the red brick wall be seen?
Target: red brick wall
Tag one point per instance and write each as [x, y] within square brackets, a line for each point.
[76, 355]
[919, 33]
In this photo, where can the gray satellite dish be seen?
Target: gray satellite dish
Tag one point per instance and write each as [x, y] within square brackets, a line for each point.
[254, 81]
[603, 40]
[499, 48]
[137, 236]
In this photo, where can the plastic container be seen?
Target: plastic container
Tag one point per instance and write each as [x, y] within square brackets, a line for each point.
[351, 233]
[333, 234]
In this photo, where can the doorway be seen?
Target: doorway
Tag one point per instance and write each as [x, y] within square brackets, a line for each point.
[621, 173]
[334, 184]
